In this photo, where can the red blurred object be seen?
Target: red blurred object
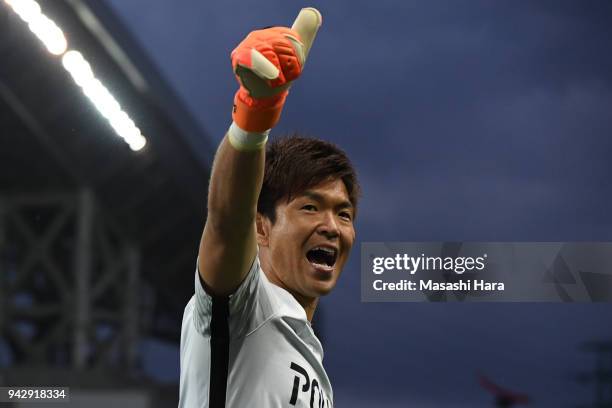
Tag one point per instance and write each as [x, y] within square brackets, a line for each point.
[503, 397]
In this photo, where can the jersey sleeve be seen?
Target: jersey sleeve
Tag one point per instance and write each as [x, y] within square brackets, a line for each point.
[242, 304]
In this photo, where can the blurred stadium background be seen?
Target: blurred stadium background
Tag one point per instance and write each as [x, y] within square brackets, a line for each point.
[98, 183]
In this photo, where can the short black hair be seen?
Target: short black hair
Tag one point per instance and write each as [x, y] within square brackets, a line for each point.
[295, 163]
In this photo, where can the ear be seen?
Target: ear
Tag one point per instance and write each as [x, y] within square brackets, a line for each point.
[263, 226]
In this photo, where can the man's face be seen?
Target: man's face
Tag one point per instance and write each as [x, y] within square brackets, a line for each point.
[305, 250]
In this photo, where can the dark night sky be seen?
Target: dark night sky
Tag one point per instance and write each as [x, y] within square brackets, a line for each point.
[467, 120]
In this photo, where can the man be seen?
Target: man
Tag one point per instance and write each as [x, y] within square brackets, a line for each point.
[278, 233]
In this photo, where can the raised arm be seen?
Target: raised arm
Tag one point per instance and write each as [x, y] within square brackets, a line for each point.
[265, 64]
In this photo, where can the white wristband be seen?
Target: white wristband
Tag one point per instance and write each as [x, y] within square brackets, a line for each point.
[246, 141]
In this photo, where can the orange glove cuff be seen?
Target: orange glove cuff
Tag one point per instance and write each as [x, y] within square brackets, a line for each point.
[257, 115]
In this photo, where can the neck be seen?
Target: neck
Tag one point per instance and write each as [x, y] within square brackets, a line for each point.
[308, 303]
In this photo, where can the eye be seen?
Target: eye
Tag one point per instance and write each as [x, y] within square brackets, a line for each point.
[346, 215]
[309, 207]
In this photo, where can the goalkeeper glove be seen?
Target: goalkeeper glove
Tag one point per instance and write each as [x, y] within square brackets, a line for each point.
[265, 63]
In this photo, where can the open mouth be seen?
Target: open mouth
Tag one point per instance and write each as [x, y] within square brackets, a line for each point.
[322, 257]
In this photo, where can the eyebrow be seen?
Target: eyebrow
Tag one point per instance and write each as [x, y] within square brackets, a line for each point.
[318, 197]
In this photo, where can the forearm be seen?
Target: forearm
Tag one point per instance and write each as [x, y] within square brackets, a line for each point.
[235, 183]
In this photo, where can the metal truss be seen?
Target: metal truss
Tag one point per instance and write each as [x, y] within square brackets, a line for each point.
[68, 284]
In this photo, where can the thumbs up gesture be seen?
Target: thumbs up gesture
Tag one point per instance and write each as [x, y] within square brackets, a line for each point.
[265, 63]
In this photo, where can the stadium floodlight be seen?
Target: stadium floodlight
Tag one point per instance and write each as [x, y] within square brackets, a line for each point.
[42, 26]
[102, 99]
[54, 39]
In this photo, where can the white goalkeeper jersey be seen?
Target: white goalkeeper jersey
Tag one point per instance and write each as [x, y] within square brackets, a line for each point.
[273, 357]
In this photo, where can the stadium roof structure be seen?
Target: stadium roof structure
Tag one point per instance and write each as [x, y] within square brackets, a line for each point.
[55, 142]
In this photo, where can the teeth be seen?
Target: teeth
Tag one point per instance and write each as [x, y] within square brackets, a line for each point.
[323, 266]
[325, 249]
